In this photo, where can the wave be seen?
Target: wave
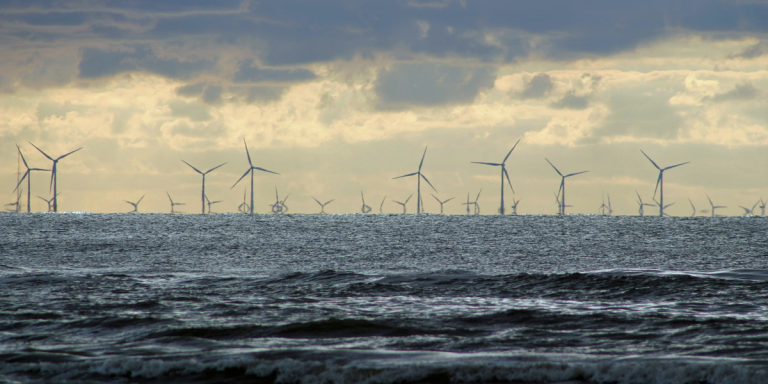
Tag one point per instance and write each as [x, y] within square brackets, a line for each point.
[383, 367]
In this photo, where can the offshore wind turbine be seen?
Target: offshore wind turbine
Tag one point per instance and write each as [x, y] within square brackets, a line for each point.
[762, 207]
[136, 204]
[250, 170]
[202, 197]
[642, 205]
[714, 206]
[693, 207]
[243, 208]
[381, 207]
[28, 176]
[322, 205]
[404, 203]
[504, 174]
[477, 206]
[660, 182]
[211, 203]
[514, 206]
[441, 202]
[279, 206]
[54, 174]
[48, 201]
[419, 176]
[748, 211]
[172, 203]
[16, 205]
[366, 208]
[561, 193]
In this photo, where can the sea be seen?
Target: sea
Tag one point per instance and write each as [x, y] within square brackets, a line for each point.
[531, 299]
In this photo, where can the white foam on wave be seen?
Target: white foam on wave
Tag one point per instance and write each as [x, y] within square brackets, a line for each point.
[408, 367]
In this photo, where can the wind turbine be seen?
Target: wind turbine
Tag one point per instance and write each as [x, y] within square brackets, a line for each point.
[365, 208]
[610, 210]
[279, 206]
[693, 207]
[211, 203]
[714, 206]
[477, 206]
[762, 207]
[419, 176]
[381, 207]
[54, 177]
[172, 203]
[660, 182]
[504, 174]
[28, 176]
[603, 206]
[748, 211]
[467, 203]
[243, 208]
[441, 202]
[642, 205]
[136, 204]
[16, 205]
[48, 201]
[514, 206]
[561, 193]
[322, 205]
[202, 197]
[250, 170]
[404, 203]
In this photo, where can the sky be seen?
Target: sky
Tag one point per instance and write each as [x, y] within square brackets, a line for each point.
[340, 97]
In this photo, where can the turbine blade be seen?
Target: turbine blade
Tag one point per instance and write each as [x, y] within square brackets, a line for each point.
[41, 151]
[362, 197]
[478, 195]
[438, 200]
[710, 201]
[53, 173]
[481, 162]
[448, 200]
[553, 166]
[422, 158]
[318, 201]
[65, 155]
[510, 151]
[328, 202]
[575, 173]
[241, 177]
[409, 197]
[142, 198]
[676, 165]
[425, 179]
[247, 153]
[506, 174]
[22, 156]
[658, 181]
[190, 165]
[652, 162]
[22, 179]
[169, 197]
[264, 170]
[410, 174]
[209, 171]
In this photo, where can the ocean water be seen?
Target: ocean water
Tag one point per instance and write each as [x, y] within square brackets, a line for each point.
[144, 298]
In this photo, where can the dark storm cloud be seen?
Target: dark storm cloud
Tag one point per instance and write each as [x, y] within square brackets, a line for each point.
[97, 63]
[430, 84]
[745, 91]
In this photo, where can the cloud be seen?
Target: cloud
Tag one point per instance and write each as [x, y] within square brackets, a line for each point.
[97, 63]
[754, 51]
[744, 91]
[430, 84]
[571, 101]
[193, 111]
[247, 73]
[640, 116]
[537, 87]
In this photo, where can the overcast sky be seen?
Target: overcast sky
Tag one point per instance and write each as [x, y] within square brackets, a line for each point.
[342, 96]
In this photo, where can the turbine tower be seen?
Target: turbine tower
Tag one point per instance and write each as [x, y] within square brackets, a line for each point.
[322, 205]
[714, 206]
[419, 176]
[250, 170]
[172, 203]
[365, 208]
[135, 205]
[404, 203]
[54, 176]
[202, 196]
[27, 175]
[561, 192]
[442, 202]
[504, 174]
[660, 182]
